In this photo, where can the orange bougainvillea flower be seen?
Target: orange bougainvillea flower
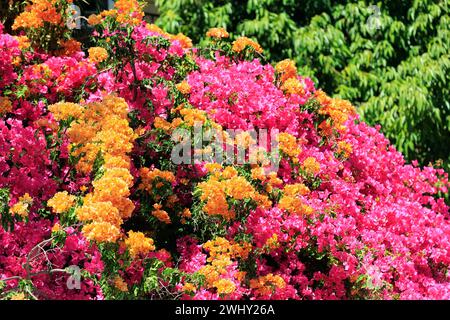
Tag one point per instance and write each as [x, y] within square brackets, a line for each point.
[272, 242]
[295, 189]
[338, 111]
[266, 285]
[56, 227]
[138, 244]
[288, 144]
[345, 148]
[66, 110]
[19, 296]
[242, 42]
[185, 41]
[101, 128]
[224, 286]
[69, 47]
[184, 87]
[217, 33]
[97, 54]
[193, 116]
[129, 11]
[5, 105]
[286, 69]
[94, 19]
[311, 165]
[39, 12]
[120, 284]
[61, 202]
[189, 287]
[160, 214]
[101, 232]
[22, 207]
[24, 42]
[149, 176]
[293, 86]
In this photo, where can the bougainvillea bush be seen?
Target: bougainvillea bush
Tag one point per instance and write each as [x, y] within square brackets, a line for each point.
[94, 205]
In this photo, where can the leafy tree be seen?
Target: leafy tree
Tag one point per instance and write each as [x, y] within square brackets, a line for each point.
[390, 58]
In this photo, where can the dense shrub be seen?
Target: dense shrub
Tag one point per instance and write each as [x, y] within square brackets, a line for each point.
[94, 204]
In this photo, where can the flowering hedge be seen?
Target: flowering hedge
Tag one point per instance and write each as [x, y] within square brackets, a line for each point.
[93, 205]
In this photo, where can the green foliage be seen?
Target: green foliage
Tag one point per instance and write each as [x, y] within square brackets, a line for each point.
[391, 61]
[6, 220]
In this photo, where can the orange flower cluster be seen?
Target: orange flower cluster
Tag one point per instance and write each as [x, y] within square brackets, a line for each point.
[242, 42]
[5, 105]
[102, 128]
[69, 47]
[344, 148]
[101, 232]
[22, 207]
[107, 205]
[19, 296]
[61, 202]
[39, 12]
[171, 200]
[189, 287]
[193, 116]
[217, 33]
[258, 173]
[97, 54]
[226, 183]
[56, 227]
[221, 248]
[151, 178]
[221, 253]
[337, 109]
[290, 83]
[185, 41]
[184, 87]
[295, 189]
[272, 181]
[224, 286]
[120, 284]
[286, 69]
[129, 11]
[99, 211]
[66, 110]
[125, 12]
[216, 201]
[272, 242]
[289, 146]
[153, 27]
[185, 214]
[266, 285]
[291, 201]
[138, 244]
[162, 124]
[293, 86]
[311, 166]
[41, 71]
[160, 214]
[94, 19]
[293, 204]
[213, 167]
[24, 42]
